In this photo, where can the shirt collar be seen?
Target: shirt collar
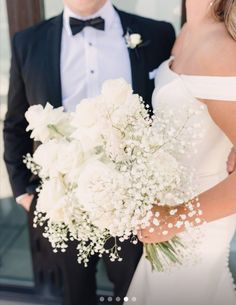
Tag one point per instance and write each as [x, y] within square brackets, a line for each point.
[107, 12]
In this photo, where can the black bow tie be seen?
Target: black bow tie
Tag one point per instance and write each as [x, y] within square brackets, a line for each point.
[78, 25]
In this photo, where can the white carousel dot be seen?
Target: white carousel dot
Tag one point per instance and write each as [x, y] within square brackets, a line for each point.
[101, 299]
[118, 299]
[134, 299]
[126, 299]
[109, 299]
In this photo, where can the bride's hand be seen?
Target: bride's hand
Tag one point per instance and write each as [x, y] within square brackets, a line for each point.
[162, 228]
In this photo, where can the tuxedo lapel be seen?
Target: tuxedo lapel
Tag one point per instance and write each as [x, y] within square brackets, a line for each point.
[137, 57]
[53, 61]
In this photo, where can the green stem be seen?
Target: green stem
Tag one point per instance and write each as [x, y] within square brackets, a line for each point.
[161, 255]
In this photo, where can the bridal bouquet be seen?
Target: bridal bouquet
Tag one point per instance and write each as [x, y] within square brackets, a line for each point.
[104, 166]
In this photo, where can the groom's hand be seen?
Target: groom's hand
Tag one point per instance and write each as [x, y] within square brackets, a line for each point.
[231, 162]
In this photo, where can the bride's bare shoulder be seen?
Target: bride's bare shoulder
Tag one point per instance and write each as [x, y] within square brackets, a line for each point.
[219, 53]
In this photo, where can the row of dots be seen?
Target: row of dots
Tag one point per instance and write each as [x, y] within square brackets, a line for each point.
[117, 299]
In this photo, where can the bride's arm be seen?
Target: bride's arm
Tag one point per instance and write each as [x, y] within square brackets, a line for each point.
[217, 202]
[231, 162]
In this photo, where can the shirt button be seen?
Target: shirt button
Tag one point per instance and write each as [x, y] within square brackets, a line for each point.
[90, 44]
[92, 71]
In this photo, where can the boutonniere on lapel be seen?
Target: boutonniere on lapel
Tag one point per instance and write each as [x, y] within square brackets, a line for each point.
[134, 41]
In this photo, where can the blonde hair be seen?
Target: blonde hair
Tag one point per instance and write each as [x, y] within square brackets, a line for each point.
[225, 11]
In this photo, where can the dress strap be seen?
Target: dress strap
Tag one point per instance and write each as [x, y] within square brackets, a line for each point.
[211, 87]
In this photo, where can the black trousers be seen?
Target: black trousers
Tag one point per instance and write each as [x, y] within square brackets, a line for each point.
[59, 274]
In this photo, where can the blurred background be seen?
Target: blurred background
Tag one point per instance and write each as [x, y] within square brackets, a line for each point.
[16, 272]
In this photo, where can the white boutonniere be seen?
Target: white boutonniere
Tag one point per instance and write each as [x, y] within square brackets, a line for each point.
[133, 40]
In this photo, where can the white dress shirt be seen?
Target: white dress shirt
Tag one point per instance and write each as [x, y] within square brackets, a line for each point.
[92, 56]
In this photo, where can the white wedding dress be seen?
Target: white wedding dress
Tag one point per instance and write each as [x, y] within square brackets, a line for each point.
[208, 281]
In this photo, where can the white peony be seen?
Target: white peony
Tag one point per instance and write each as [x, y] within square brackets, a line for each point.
[40, 119]
[52, 200]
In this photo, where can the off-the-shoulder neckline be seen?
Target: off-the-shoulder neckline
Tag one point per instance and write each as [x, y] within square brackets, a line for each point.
[170, 61]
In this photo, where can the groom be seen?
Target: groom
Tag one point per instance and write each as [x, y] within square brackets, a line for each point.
[64, 60]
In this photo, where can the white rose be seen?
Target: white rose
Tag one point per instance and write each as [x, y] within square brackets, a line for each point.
[88, 112]
[135, 39]
[40, 118]
[98, 191]
[90, 137]
[129, 108]
[113, 144]
[116, 92]
[45, 157]
[120, 101]
[59, 157]
[102, 136]
[70, 157]
[90, 123]
[52, 200]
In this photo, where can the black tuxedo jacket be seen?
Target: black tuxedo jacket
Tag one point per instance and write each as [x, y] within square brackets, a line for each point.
[35, 79]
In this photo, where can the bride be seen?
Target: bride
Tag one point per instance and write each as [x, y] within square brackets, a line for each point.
[201, 71]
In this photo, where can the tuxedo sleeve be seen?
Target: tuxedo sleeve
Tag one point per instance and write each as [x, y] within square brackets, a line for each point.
[17, 142]
[171, 37]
